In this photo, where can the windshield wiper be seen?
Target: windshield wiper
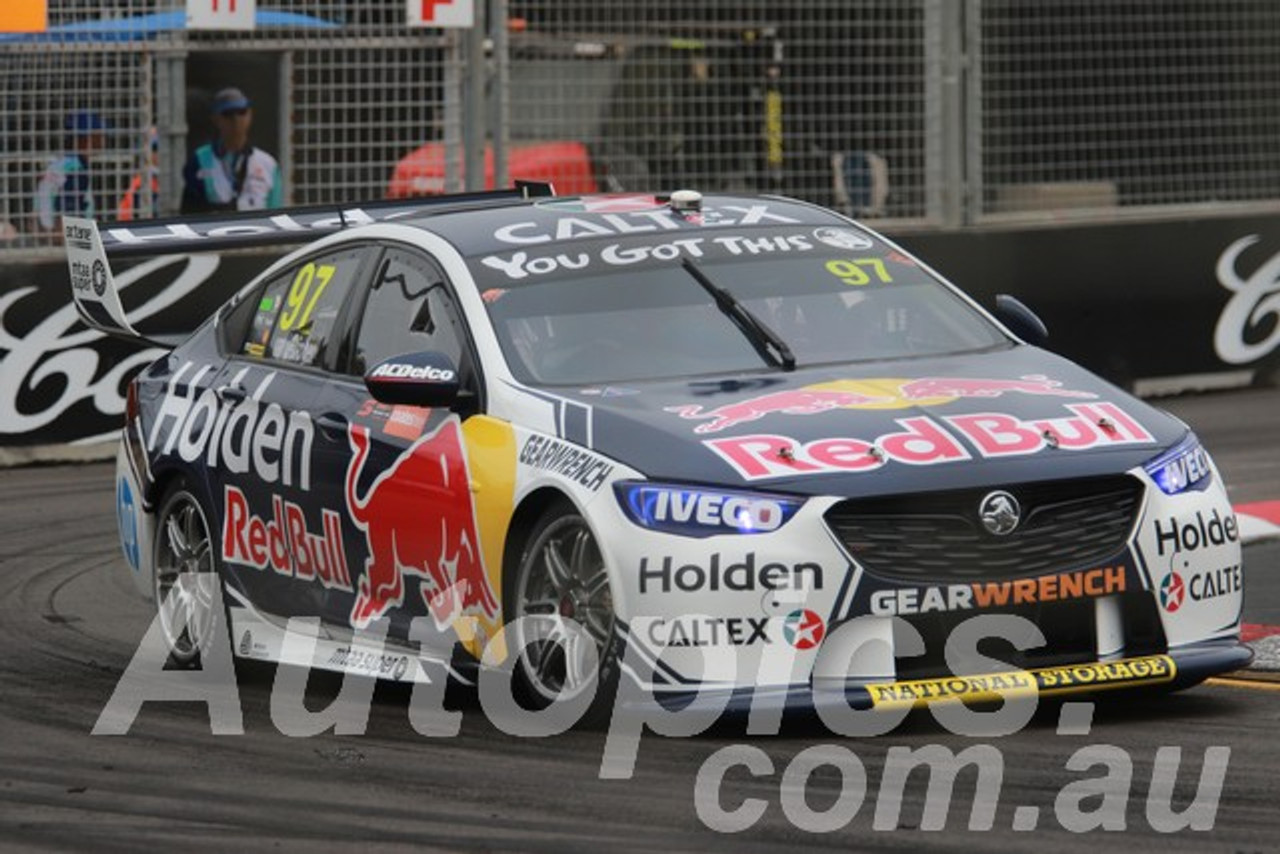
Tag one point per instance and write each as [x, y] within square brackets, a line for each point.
[765, 341]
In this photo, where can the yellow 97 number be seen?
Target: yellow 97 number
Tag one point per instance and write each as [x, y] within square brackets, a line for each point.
[301, 299]
[854, 271]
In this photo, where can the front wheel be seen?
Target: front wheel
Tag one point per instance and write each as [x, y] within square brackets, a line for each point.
[561, 577]
[185, 575]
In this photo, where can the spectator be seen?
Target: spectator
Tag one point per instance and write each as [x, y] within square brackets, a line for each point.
[230, 173]
[65, 187]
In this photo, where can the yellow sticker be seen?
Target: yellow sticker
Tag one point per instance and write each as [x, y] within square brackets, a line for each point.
[921, 692]
[1147, 670]
[1151, 669]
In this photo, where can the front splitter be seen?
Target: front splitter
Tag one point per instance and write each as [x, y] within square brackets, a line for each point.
[1172, 671]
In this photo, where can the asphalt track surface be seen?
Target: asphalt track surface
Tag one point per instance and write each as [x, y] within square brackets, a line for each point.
[68, 628]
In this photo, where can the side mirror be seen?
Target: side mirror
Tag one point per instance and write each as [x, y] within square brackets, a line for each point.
[415, 379]
[1021, 320]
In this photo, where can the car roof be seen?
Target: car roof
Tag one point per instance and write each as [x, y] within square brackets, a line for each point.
[483, 230]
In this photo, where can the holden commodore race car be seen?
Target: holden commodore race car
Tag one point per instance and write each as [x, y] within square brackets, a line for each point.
[731, 450]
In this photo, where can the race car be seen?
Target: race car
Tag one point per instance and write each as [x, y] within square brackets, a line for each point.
[729, 450]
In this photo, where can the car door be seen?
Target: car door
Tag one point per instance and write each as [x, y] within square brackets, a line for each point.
[405, 484]
[281, 548]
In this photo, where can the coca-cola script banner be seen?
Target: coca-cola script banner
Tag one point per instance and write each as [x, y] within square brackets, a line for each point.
[1130, 301]
[1134, 301]
[64, 384]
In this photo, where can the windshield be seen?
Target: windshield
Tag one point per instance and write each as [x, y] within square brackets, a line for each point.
[609, 311]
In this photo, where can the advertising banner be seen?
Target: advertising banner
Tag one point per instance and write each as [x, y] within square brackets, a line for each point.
[1148, 305]
[62, 386]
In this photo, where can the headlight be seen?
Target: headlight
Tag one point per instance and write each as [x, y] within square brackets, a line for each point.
[1183, 467]
[695, 512]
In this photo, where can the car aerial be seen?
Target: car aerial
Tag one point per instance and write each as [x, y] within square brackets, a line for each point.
[700, 429]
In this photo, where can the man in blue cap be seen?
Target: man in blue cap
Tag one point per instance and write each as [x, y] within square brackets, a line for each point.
[230, 173]
[65, 187]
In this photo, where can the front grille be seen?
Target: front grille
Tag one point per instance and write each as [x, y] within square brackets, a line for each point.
[939, 537]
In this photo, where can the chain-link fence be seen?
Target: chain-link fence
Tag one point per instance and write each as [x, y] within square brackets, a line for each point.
[830, 101]
[912, 112]
[102, 111]
[1129, 104]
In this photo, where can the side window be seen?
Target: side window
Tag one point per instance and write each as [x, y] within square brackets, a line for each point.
[267, 304]
[296, 319]
[235, 322]
[408, 310]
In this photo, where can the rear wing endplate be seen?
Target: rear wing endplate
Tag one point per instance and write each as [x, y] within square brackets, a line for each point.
[92, 287]
[88, 245]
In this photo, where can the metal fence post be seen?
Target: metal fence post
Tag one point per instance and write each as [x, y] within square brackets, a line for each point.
[473, 132]
[452, 109]
[284, 145]
[975, 184]
[171, 124]
[499, 92]
[944, 112]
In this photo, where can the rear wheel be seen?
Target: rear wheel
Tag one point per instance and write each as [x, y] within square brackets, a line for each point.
[561, 577]
[185, 575]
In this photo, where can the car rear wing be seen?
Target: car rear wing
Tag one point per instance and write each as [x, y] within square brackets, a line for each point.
[246, 229]
[89, 244]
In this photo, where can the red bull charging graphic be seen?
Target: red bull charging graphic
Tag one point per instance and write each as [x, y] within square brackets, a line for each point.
[867, 394]
[418, 519]
[794, 402]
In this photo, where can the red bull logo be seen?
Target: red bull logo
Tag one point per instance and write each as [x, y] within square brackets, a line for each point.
[868, 394]
[418, 519]
[924, 441]
[283, 542]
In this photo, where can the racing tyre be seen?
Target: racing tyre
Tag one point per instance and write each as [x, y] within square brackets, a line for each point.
[562, 576]
[184, 548]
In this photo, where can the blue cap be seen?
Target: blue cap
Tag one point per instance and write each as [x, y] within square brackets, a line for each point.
[85, 122]
[229, 99]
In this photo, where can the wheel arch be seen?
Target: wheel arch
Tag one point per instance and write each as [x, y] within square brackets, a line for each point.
[180, 487]
[163, 478]
[550, 504]
[523, 521]
[162, 483]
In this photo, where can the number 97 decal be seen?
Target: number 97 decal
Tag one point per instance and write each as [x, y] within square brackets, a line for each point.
[302, 298]
[854, 271]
